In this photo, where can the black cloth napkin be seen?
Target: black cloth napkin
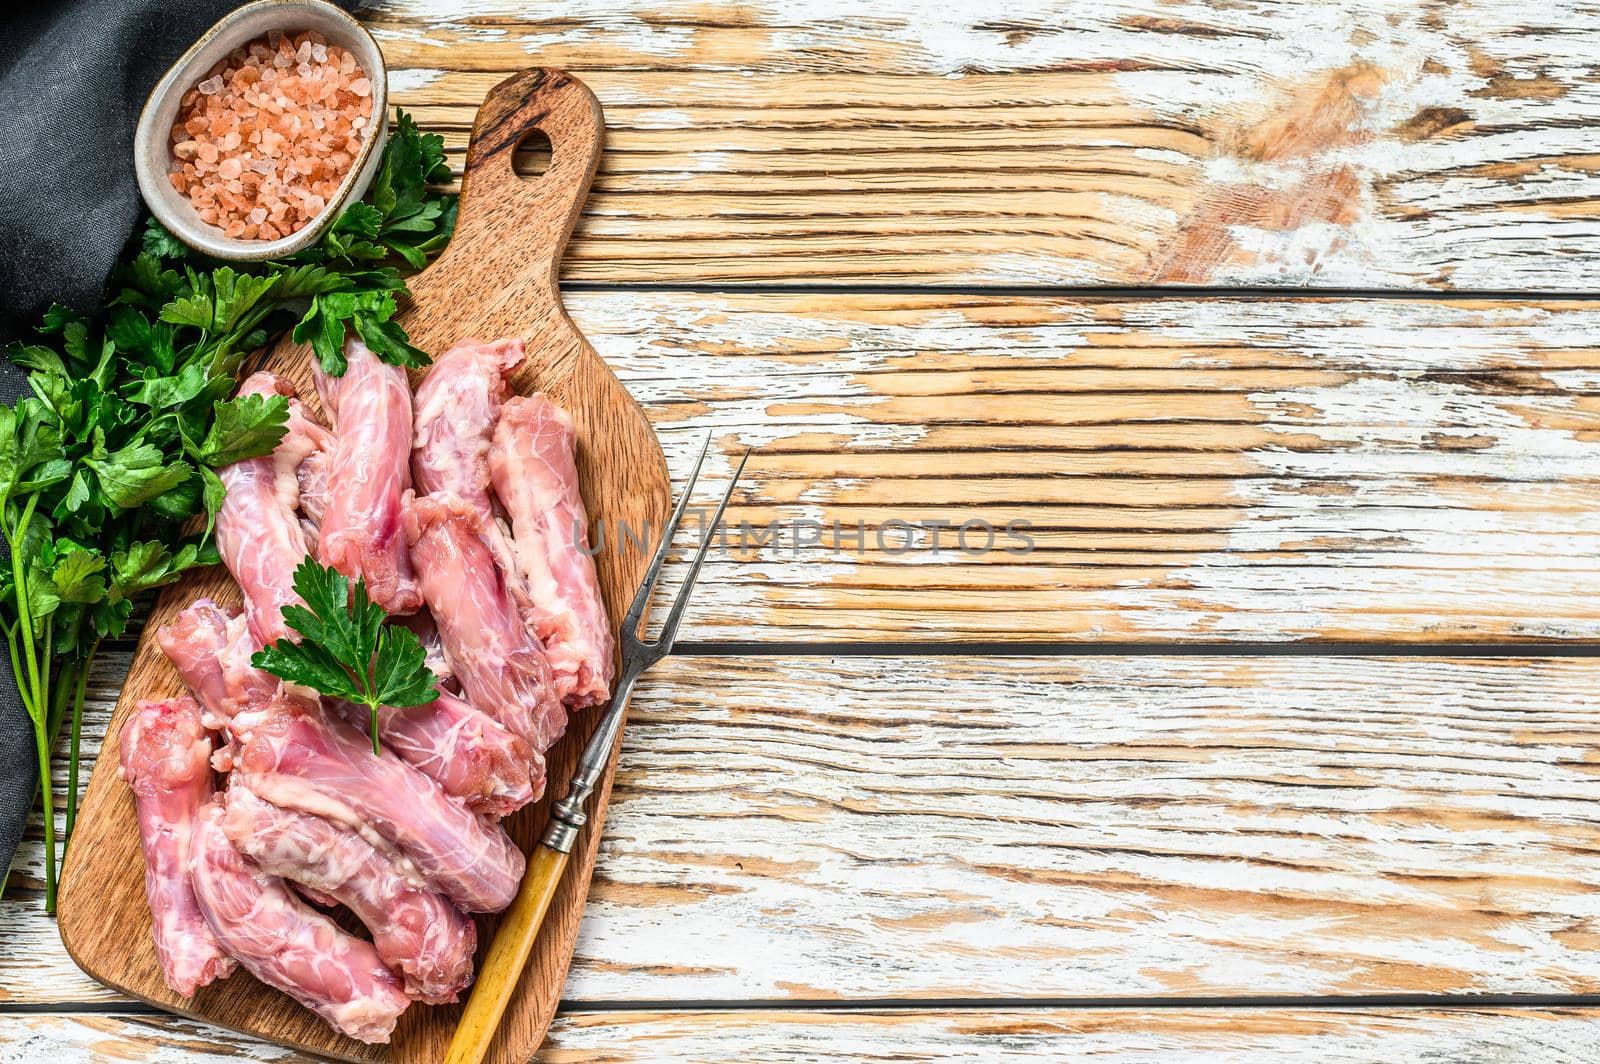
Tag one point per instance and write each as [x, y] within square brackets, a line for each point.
[74, 75]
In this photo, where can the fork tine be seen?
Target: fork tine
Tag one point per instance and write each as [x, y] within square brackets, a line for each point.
[669, 628]
[630, 623]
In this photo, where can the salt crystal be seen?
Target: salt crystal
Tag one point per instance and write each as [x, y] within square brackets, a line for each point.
[266, 138]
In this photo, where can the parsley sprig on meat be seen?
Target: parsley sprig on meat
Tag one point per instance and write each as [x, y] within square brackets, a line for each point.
[108, 469]
[346, 650]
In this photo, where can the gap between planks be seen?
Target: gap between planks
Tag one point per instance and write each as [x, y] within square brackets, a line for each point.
[868, 648]
[1154, 293]
[571, 1007]
[1121, 1036]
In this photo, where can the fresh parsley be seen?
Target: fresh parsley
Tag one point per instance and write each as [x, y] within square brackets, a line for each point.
[109, 483]
[346, 650]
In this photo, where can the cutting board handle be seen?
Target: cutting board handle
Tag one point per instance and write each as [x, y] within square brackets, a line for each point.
[500, 208]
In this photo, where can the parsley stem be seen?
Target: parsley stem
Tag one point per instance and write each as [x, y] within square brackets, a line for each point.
[19, 576]
[35, 692]
[43, 748]
[16, 670]
[81, 688]
[42, 698]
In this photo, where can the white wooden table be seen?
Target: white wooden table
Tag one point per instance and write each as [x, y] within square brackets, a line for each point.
[1275, 324]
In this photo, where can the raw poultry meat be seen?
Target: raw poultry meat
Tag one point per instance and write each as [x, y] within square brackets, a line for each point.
[295, 757]
[470, 755]
[312, 478]
[166, 759]
[258, 533]
[403, 838]
[427, 633]
[285, 943]
[194, 641]
[416, 932]
[210, 646]
[457, 405]
[370, 408]
[499, 663]
[290, 751]
[535, 473]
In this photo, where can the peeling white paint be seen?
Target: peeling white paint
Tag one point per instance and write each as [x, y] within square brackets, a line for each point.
[1365, 520]
[1178, 78]
[411, 80]
[1055, 814]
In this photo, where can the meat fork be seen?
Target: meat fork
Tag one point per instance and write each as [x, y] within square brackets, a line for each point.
[519, 926]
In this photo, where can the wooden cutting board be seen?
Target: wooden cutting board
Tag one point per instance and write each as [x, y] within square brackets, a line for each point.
[496, 278]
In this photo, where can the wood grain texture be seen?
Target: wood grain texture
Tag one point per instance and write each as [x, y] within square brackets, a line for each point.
[1359, 143]
[1193, 1036]
[1207, 469]
[496, 278]
[1121, 1036]
[925, 828]
[805, 828]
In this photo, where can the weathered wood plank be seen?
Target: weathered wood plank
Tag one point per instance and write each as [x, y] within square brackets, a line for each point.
[1084, 827]
[1206, 469]
[1370, 142]
[1216, 469]
[1264, 1036]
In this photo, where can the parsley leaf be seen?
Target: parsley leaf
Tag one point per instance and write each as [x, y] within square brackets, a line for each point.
[346, 650]
[115, 448]
[310, 665]
[78, 576]
[368, 313]
[246, 427]
[219, 301]
[389, 342]
[135, 474]
[158, 241]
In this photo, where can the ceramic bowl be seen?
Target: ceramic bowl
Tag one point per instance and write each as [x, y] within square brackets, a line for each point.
[152, 146]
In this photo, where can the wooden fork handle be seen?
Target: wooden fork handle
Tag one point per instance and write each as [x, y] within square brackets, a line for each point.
[508, 955]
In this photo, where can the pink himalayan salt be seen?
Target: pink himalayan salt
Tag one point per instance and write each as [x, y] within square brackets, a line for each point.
[264, 140]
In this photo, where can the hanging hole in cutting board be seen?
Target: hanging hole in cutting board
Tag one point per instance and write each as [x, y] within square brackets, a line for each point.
[531, 157]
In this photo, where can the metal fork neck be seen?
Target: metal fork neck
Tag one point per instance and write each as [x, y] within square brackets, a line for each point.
[569, 815]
